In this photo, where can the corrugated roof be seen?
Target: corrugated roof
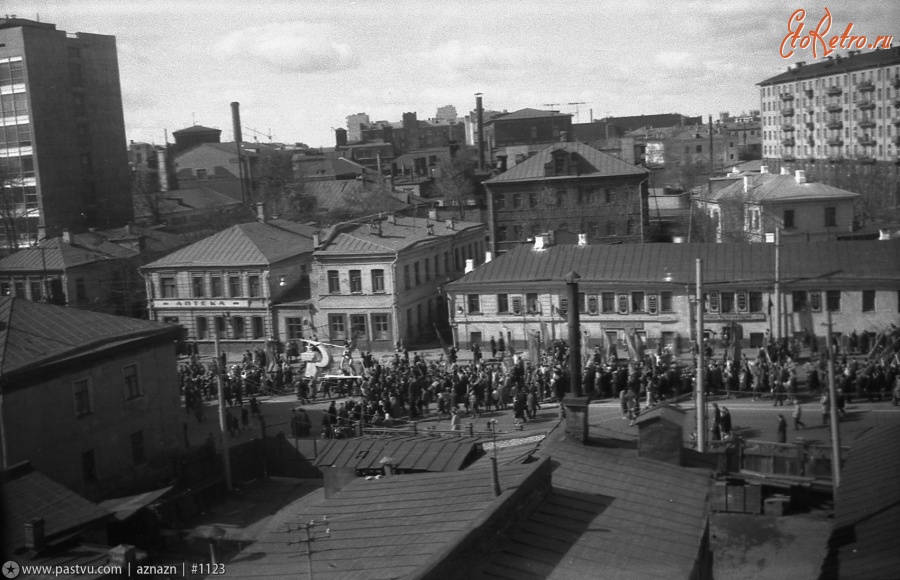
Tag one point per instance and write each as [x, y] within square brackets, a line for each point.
[611, 515]
[526, 113]
[362, 238]
[410, 453]
[384, 528]
[763, 187]
[33, 333]
[838, 64]
[33, 495]
[867, 509]
[675, 264]
[595, 164]
[53, 254]
[253, 243]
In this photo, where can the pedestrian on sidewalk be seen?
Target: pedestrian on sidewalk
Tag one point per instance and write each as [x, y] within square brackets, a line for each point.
[782, 429]
[797, 414]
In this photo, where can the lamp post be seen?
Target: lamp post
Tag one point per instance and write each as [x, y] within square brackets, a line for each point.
[701, 364]
[832, 393]
[226, 458]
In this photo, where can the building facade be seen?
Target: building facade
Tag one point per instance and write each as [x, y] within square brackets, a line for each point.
[648, 290]
[227, 283]
[63, 155]
[380, 282]
[840, 108]
[91, 400]
[568, 188]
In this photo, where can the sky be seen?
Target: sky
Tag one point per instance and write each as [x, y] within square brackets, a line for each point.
[300, 68]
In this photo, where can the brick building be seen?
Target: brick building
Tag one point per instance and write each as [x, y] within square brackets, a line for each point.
[91, 400]
[648, 289]
[568, 189]
[380, 282]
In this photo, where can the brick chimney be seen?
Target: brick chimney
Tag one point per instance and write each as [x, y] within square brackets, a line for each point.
[261, 212]
[67, 236]
[660, 434]
[391, 218]
[34, 534]
[800, 176]
[470, 265]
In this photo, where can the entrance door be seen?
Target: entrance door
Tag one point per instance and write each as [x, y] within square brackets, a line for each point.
[474, 338]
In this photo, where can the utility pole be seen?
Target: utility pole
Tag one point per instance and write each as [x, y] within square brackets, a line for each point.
[701, 364]
[226, 458]
[778, 283]
[577, 111]
[832, 393]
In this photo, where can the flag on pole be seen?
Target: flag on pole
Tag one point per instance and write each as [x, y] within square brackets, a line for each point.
[444, 346]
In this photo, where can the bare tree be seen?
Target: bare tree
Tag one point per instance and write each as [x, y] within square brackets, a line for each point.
[455, 180]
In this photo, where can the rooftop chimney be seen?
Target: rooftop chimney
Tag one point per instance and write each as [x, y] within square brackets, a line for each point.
[800, 176]
[884, 234]
[470, 265]
[392, 219]
[429, 228]
[785, 171]
[539, 242]
[763, 168]
[488, 256]
[42, 232]
[317, 241]
[450, 224]
[34, 534]
[261, 212]
[432, 214]
[582, 239]
[67, 236]
[746, 183]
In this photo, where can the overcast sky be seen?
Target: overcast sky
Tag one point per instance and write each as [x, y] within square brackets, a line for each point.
[299, 68]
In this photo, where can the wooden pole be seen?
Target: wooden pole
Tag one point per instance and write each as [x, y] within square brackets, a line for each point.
[701, 364]
[226, 458]
[832, 393]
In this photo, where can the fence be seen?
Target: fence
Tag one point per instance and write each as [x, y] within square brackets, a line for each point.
[792, 460]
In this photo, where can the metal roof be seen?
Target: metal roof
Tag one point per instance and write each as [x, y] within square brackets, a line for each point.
[592, 163]
[250, 244]
[34, 334]
[675, 264]
[768, 187]
[839, 64]
[54, 254]
[404, 232]
[409, 453]
[526, 113]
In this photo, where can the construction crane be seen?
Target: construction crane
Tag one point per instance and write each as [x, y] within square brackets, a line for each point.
[259, 133]
[551, 105]
[577, 112]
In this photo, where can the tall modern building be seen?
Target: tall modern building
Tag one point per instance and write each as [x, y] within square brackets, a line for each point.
[63, 155]
[843, 107]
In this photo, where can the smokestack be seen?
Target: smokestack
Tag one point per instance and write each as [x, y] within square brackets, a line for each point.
[340, 137]
[261, 212]
[162, 169]
[67, 236]
[479, 110]
[238, 143]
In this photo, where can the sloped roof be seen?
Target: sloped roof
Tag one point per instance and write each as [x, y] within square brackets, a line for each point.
[26, 494]
[526, 113]
[54, 254]
[362, 238]
[195, 129]
[340, 193]
[675, 264]
[384, 528]
[34, 334]
[253, 243]
[599, 164]
[839, 64]
[327, 166]
[200, 198]
[867, 509]
[769, 187]
[611, 515]
[410, 453]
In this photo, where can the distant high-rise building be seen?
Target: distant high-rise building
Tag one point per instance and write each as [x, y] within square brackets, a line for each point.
[355, 124]
[446, 114]
[63, 154]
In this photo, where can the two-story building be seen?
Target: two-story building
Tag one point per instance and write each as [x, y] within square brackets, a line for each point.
[569, 188]
[379, 282]
[648, 290]
[90, 399]
[230, 281]
[754, 205]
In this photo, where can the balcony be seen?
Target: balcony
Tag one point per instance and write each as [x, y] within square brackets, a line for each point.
[866, 140]
[896, 82]
[865, 86]
[787, 127]
[836, 142]
[787, 96]
[867, 123]
[834, 108]
[866, 105]
[835, 158]
[809, 93]
[789, 112]
[835, 125]
[810, 125]
[788, 157]
[833, 91]
[789, 142]
[865, 159]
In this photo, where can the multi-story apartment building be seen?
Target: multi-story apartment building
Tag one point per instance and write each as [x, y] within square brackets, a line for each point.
[63, 161]
[380, 282]
[229, 282]
[568, 188]
[647, 290]
[839, 108]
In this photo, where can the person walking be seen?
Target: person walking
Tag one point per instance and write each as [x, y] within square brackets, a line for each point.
[797, 415]
[782, 429]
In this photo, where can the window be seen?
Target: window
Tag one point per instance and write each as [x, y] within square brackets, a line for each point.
[89, 466]
[5, 289]
[727, 302]
[517, 305]
[437, 266]
[378, 279]
[563, 305]
[132, 386]
[294, 328]
[215, 287]
[36, 293]
[501, 233]
[610, 228]
[868, 301]
[358, 327]
[622, 303]
[197, 290]
[427, 263]
[334, 282]
[219, 322]
[202, 328]
[798, 300]
[531, 302]
[637, 302]
[833, 300]
[500, 200]
[259, 327]
[82, 392]
[830, 217]
[380, 326]
[254, 286]
[560, 196]
[756, 301]
[815, 301]
[653, 303]
[517, 200]
[502, 302]
[608, 302]
[474, 303]
[201, 174]
[788, 218]
[416, 274]
[518, 232]
[610, 194]
[456, 257]
[741, 301]
[665, 302]
[137, 448]
[712, 302]
[407, 282]
[336, 326]
[234, 286]
[355, 282]
[237, 326]
[166, 286]
[532, 199]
